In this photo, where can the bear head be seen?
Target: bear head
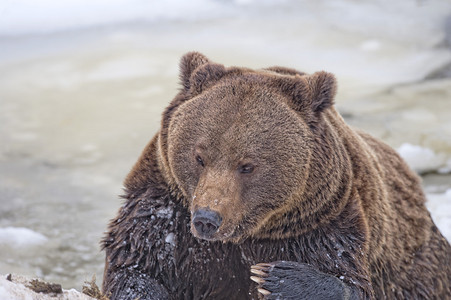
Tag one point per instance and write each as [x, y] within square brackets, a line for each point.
[240, 145]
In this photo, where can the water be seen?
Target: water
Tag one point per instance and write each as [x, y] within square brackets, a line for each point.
[82, 91]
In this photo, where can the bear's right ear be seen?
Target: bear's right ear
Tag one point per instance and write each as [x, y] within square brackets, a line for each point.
[322, 87]
[314, 92]
[196, 71]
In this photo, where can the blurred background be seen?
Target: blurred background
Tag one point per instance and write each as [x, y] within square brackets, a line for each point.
[83, 84]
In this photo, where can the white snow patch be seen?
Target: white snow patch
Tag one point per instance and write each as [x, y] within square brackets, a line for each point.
[165, 212]
[422, 159]
[24, 136]
[88, 148]
[440, 207]
[370, 45]
[20, 237]
[5, 294]
[125, 68]
[170, 239]
[30, 16]
[10, 290]
[16, 289]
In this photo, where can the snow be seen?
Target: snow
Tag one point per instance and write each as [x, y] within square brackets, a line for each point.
[130, 67]
[164, 212]
[370, 45]
[170, 239]
[7, 292]
[423, 160]
[16, 289]
[20, 237]
[29, 16]
[440, 207]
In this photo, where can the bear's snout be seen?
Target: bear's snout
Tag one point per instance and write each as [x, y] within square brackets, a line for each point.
[206, 222]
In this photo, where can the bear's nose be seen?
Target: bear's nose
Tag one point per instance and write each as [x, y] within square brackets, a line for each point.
[206, 222]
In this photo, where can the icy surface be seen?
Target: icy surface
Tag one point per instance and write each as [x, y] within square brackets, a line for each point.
[424, 160]
[83, 85]
[440, 207]
[25, 16]
[20, 237]
[170, 239]
[17, 290]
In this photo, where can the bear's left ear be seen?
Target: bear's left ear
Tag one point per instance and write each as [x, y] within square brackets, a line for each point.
[325, 90]
[319, 90]
[314, 92]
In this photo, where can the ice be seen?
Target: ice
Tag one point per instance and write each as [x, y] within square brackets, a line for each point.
[16, 289]
[24, 136]
[10, 290]
[370, 45]
[5, 293]
[123, 68]
[439, 204]
[422, 159]
[27, 16]
[20, 237]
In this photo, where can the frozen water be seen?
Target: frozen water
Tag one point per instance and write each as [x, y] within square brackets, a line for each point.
[17, 290]
[422, 159]
[26, 16]
[440, 206]
[7, 294]
[20, 237]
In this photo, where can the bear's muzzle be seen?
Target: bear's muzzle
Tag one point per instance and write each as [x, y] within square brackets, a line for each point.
[206, 222]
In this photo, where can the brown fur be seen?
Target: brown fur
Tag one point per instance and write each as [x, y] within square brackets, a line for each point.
[320, 193]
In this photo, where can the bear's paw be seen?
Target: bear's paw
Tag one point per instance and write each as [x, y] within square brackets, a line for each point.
[293, 280]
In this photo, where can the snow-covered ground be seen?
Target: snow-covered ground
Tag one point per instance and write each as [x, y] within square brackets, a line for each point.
[18, 237]
[440, 206]
[424, 160]
[83, 84]
[15, 287]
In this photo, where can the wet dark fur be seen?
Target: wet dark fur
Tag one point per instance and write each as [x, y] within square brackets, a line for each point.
[375, 235]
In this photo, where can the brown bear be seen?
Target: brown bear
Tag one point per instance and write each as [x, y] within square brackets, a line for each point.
[255, 187]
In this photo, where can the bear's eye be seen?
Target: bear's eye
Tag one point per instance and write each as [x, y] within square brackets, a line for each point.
[246, 169]
[199, 160]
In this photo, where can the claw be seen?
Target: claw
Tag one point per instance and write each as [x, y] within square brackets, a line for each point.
[264, 292]
[261, 266]
[265, 265]
[258, 272]
[257, 279]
